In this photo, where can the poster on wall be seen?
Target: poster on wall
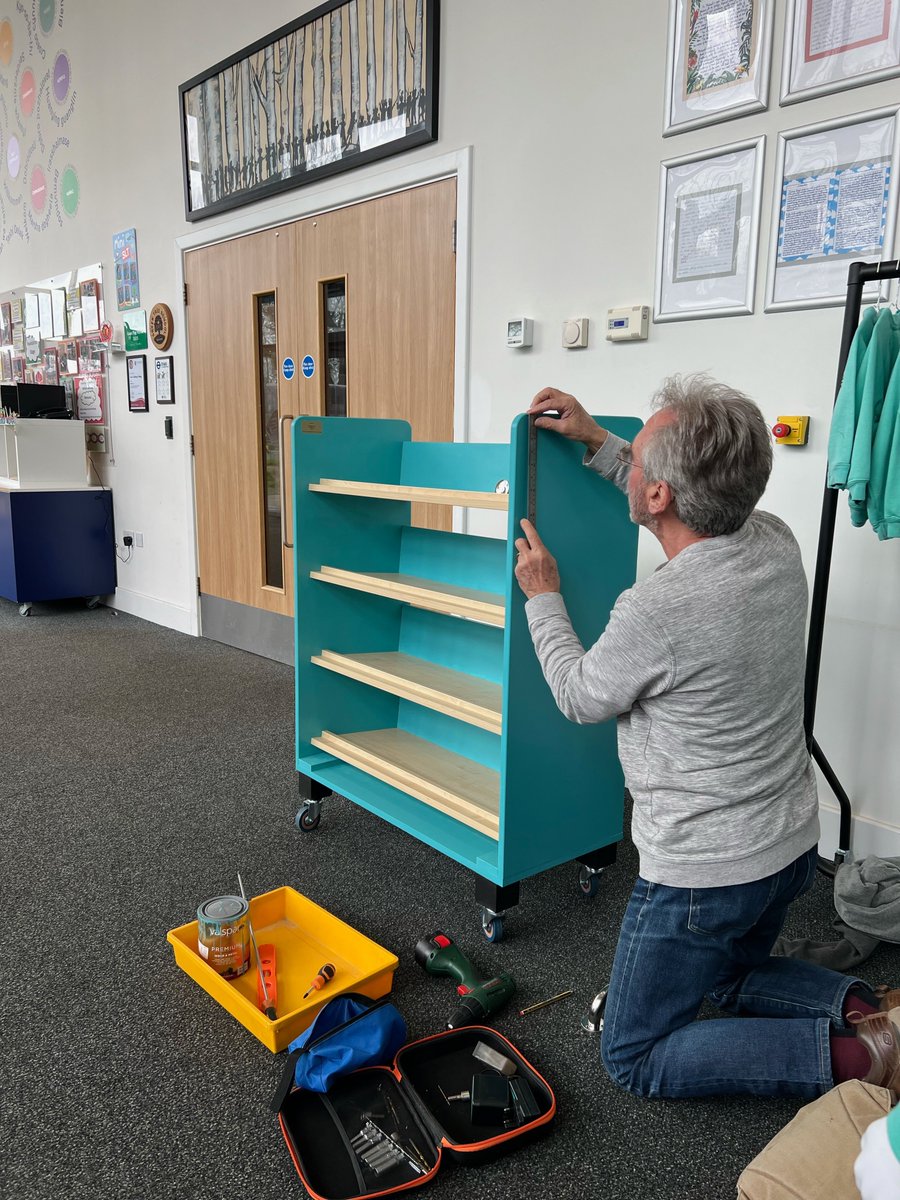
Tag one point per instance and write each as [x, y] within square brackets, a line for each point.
[128, 289]
[709, 207]
[135, 325]
[138, 400]
[717, 62]
[340, 87]
[836, 44]
[835, 203]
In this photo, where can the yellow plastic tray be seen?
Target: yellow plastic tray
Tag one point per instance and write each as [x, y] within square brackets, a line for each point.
[305, 936]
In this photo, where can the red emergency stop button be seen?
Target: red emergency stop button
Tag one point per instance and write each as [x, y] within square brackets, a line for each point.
[781, 430]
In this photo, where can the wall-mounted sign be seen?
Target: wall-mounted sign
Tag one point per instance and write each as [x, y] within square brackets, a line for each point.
[288, 368]
[161, 327]
[308, 366]
[135, 330]
[128, 288]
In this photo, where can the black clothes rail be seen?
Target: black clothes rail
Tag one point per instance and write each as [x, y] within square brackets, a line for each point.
[859, 275]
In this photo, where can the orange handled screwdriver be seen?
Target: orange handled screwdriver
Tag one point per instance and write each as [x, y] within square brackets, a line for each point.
[325, 975]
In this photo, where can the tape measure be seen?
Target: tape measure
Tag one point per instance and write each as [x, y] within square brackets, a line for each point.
[531, 507]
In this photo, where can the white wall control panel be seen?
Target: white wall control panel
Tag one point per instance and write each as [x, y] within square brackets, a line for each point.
[519, 331]
[575, 333]
[628, 324]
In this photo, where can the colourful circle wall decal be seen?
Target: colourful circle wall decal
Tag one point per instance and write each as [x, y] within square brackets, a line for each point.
[6, 43]
[13, 157]
[69, 191]
[38, 189]
[47, 14]
[62, 77]
[27, 92]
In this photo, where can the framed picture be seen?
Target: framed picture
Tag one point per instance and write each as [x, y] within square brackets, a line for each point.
[128, 291]
[837, 44]
[89, 291]
[17, 308]
[89, 399]
[51, 365]
[165, 387]
[835, 203]
[5, 324]
[718, 59]
[91, 356]
[6, 375]
[68, 357]
[18, 368]
[344, 85]
[709, 207]
[137, 383]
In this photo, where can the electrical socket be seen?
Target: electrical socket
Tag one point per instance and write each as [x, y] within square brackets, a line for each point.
[130, 537]
[127, 538]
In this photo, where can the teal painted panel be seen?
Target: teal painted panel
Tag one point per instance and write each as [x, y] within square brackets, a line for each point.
[461, 645]
[464, 466]
[563, 784]
[459, 736]
[466, 846]
[468, 561]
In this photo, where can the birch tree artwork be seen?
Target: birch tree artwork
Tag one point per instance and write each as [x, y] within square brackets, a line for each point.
[324, 93]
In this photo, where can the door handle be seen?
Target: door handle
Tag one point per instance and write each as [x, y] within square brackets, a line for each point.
[281, 479]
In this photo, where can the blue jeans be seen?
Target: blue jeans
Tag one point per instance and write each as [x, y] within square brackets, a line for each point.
[679, 945]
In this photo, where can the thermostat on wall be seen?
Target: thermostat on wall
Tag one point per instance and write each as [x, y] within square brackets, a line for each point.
[519, 331]
[627, 324]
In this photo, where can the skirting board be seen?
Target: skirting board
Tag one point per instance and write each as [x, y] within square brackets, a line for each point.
[866, 836]
[160, 612]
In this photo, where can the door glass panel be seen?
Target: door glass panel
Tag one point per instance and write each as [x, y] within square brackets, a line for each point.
[335, 315]
[270, 434]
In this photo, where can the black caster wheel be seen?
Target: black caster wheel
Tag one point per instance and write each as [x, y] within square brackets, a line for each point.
[493, 929]
[92, 601]
[308, 818]
[588, 882]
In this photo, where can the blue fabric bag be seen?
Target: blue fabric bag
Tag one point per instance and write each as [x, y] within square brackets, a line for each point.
[350, 1032]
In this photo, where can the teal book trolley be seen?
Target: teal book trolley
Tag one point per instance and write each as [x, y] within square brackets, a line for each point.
[419, 695]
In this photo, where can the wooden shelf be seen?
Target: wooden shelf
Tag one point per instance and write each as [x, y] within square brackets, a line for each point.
[425, 495]
[466, 697]
[439, 778]
[487, 607]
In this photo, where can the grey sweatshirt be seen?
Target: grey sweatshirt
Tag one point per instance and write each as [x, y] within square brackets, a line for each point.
[702, 665]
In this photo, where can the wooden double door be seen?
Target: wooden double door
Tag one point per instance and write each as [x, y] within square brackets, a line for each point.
[365, 296]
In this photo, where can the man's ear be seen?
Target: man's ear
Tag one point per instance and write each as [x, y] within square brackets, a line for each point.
[659, 497]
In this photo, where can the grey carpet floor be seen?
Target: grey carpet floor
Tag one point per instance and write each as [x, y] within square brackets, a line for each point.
[140, 770]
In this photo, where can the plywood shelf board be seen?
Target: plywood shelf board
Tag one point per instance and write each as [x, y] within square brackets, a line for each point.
[428, 495]
[466, 697]
[454, 785]
[424, 593]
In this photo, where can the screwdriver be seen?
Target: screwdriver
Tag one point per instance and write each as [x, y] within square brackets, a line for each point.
[325, 975]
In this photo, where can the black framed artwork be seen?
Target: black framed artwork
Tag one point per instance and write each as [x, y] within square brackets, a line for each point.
[138, 400]
[347, 84]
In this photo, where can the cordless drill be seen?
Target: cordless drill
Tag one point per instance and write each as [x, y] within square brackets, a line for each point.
[440, 955]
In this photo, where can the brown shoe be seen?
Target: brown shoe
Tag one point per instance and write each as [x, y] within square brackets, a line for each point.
[888, 998]
[881, 1038]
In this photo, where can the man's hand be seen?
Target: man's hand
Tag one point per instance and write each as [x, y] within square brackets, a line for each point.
[536, 569]
[574, 422]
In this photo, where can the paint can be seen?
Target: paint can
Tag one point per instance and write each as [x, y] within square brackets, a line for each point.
[223, 935]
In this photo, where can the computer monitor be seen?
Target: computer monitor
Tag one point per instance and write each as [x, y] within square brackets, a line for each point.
[42, 400]
[9, 397]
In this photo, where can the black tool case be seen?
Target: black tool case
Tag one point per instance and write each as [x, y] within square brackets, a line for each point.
[409, 1104]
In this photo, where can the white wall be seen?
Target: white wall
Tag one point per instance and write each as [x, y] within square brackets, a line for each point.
[563, 106]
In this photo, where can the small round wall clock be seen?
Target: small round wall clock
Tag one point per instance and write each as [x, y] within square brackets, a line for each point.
[161, 326]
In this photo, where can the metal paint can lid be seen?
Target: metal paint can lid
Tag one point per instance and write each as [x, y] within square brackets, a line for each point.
[223, 908]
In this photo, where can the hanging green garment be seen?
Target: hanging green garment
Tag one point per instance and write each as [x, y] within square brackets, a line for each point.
[884, 483]
[881, 355]
[847, 405]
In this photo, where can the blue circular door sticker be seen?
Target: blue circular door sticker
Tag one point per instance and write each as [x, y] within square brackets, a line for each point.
[308, 366]
[287, 368]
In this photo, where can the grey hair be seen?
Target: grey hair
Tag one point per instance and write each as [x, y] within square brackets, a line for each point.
[716, 455]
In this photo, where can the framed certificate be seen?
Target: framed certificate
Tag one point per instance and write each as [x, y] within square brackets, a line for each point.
[165, 388]
[709, 208]
[717, 62]
[836, 44]
[138, 400]
[89, 291]
[835, 203]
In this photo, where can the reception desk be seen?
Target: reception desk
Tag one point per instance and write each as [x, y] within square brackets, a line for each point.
[57, 538]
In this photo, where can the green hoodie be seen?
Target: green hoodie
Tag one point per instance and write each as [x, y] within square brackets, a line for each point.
[883, 351]
[884, 483]
[849, 398]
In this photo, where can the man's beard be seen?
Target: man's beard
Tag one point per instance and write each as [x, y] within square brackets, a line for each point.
[639, 512]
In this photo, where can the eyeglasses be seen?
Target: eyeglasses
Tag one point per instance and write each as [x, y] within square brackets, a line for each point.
[626, 458]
